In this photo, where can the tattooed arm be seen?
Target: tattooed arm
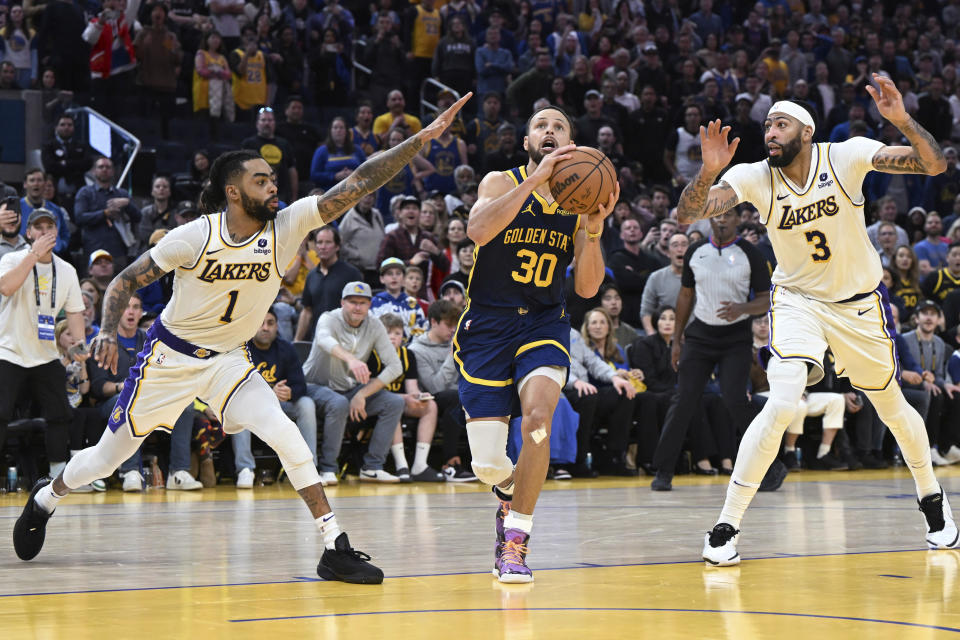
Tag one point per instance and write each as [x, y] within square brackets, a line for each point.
[922, 156]
[139, 274]
[375, 172]
[701, 200]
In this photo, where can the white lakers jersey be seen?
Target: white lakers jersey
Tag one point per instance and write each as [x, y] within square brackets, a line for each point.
[222, 289]
[817, 229]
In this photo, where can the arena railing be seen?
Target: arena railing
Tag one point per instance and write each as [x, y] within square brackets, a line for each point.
[99, 130]
[427, 108]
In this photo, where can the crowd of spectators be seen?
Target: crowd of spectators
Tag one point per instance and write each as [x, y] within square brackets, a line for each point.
[319, 86]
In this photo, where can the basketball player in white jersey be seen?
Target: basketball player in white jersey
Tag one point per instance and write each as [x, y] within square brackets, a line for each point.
[229, 264]
[826, 288]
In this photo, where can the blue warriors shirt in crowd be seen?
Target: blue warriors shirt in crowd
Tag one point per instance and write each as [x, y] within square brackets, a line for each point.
[526, 262]
[445, 158]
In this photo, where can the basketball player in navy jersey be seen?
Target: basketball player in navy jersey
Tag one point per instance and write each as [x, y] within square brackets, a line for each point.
[514, 337]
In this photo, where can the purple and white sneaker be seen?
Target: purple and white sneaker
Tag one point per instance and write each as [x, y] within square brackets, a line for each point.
[511, 563]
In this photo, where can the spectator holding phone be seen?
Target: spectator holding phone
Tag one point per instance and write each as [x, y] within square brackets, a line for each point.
[106, 216]
[10, 238]
[35, 286]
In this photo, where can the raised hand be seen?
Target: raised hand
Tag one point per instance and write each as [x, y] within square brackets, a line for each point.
[43, 246]
[715, 151]
[436, 128]
[545, 168]
[888, 99]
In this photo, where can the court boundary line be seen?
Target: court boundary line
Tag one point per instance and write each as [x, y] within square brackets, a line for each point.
[609, 609]
[305, 579]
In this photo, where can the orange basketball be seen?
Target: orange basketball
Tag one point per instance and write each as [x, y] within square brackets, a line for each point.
[584, 181]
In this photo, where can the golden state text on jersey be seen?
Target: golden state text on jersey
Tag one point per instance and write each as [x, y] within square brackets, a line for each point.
[526, 263]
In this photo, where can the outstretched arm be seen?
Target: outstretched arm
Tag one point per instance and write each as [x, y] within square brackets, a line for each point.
[138, 275]
[375, 172]
[700, 199]
[923, 155]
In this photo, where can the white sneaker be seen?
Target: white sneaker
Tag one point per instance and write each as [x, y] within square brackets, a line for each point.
[378, 475]
[328, 478]
[937, 459]
[245, 479]
[941, 529]
[953, 455]
[132, 481]
[183, 481]
[99, 486]
[720, 546]
[84, 488]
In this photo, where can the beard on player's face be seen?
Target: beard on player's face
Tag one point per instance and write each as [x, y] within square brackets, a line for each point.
[261, 210]
[543, 148]
[788, 152]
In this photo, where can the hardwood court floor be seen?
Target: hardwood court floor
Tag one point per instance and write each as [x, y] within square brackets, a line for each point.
[837, 555]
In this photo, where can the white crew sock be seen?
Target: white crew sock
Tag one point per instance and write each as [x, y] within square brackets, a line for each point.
[520, 521]
[399, 457]
[788, 448]
[823, 450]
[739, 495]
[47, 498]
[329, 529]
[420, 458]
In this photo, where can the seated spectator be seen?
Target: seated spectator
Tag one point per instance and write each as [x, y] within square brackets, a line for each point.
[417, 404]
[454, 292]
[295, 277]
[906, 278]
[600, 396]
[10, 238]
[67, 159]
[887, 212]
[343, 342]
[212, 82]
[413, 283]
[89, 318]
[325, 282]
[445, 153]
[395, 301]
[482, 131]
[663, 285]
[337, 157]
[438, 376]
[159, 213]
[887, 242]
[277, 362]
[87, 426]
[507, 154]
[455, 232]
[612, 303]
[106, 216]
[941, 282]
[465, 257]
[410, 243]
[651, 354]
[100, 268]
[33, 183]
[932, 250]
[943, 425]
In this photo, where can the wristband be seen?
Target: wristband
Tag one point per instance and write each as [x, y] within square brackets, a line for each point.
[593, 236]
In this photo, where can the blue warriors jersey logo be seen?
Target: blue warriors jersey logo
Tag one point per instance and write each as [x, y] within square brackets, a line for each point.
[526, 263]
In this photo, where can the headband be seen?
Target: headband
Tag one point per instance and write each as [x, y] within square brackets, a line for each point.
[794, 110]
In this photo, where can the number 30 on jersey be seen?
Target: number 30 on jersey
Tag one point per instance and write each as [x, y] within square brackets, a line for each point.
[536, 268]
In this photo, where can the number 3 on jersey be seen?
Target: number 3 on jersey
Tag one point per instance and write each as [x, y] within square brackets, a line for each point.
[819, 242]
[538, 268]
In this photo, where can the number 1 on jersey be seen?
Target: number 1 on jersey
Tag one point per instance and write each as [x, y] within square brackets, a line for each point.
[819, 242]
[228, 314]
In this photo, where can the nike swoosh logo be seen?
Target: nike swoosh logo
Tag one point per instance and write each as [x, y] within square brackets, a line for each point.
[210, 253]
[865, 311]
[782, 197]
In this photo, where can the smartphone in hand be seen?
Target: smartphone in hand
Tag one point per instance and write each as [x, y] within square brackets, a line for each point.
[424, 396]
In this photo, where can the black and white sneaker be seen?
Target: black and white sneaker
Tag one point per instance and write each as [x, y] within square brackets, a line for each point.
[941, 529]
[561, 473]
[457, 473]
[720, 546]
[30, 529]
[347, 564]
[403, 474]
[790, 461]
[428, 475]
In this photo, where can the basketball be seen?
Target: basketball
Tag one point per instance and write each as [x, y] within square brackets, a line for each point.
[583, 181]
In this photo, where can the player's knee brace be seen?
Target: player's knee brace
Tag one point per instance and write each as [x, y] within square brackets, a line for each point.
[488, 446]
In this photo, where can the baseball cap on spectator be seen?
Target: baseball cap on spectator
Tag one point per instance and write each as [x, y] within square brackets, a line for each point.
[186, 208]
[928, 304]
[100, 253]
[392, 262]
[744, 96]
[157, 236]
[454, 284]
[461, 211]
[593, 93]
[650, 48]
[357, 288]
[436, 193]
[40, 213]
[408, 199]
[860, 59]
[920, 209]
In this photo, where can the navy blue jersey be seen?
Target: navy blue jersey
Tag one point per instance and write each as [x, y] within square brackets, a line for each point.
[525, 263]
[445, 159]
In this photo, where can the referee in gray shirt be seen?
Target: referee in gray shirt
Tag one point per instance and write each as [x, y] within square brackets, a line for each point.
[725, 281]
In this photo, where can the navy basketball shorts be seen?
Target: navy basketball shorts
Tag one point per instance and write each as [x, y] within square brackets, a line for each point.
[495, 347]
